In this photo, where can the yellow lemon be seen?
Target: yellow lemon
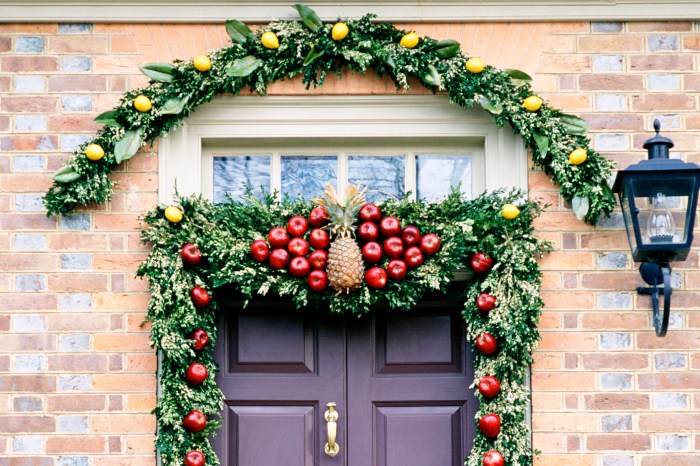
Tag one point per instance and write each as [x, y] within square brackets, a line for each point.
[410, 40]
[202, 63]
[94, 152]
[475, 65]
[578, 156]
[340, 31]
[173, 214]
[509, 211]
[532, 103]
[269, 40]
[142, 103]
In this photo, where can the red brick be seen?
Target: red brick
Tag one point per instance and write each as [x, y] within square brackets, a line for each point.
[81, 83]
[663, 460]
[669, 380]
[83, 242]
[662, 102]
[76, 403]
[614, 122]
[5, 46]
[5, 321]
[610, 320]
[691, 82]
[613, 280]
[617, 442]
[610, 82]
[568, 341]
[675, 339]
[691, 42]
[567, 300]
[561, 460]
[121, 424]
[563, 381]
[72, 123]
[74, 444]
[610, 43]
[659, 26]
[77, 322]
[141, 363]
[661, 62]
[669, 422]
[28, 342]
[35, 104]
[117, 222]
[30, 63]
[23, 262]
[27, 302]
[78, 282]
[615, 361]
[78, 44]
[616, 401]
[122, 342]
[545, 422]
[605, 240]
[31, 424]
[77, 363]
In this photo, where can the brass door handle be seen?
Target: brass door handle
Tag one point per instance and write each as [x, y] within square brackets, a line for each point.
[331, 417]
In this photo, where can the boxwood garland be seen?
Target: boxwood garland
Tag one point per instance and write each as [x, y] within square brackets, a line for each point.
[224, 234]
[307, 48]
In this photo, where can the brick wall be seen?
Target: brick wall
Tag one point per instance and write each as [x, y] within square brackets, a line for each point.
[76, 373]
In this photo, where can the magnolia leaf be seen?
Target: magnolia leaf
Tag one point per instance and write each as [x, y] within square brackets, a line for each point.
[308, 16]
[238, 31]
[174, 106]
[432, 77]
[542, 142]
[159, 71]
[65, 174]
[243, 66]
[580, 206]
[313, 55]
[107, 118]
[128, 145]
[389, 61]
[489, 106]
[517, 76]
[447, 48]
[573, 124]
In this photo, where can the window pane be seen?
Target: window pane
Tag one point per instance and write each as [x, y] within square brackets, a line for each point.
[437, 174]
[384, 176]
[308, 175]
[233, 174]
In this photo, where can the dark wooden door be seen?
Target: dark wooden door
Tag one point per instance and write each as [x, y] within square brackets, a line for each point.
[400, 381]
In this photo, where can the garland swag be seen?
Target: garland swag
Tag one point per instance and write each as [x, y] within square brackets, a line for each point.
[224, 234]
[284, 49]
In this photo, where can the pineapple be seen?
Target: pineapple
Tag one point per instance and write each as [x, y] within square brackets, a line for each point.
[345, 267]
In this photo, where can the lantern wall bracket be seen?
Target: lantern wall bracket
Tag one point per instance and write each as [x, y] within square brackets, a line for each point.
[657, 274]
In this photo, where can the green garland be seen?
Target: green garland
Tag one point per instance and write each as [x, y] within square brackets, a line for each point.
[224, 234]
[308, 48]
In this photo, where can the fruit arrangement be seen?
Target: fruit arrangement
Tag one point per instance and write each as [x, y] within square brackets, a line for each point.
[323, 247]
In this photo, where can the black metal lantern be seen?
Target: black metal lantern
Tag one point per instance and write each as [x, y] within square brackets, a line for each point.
[659, 197]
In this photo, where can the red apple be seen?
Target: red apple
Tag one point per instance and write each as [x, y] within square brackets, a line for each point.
[493, 458]
[318, 280]
[372, 252]
[410, 236]
[298, 247]
[430, 244]
[279, 258]
[190, 254]
[201, 339]
[194, 421]
[297, 226]
[259, 250]
[200, 297]
[299, 267]
[489, 386]
[278, 238]
[397, 269]
[318, 217]
[390, 227]
[490, 425]
[485, 302]
[393, 247]
[319, 239]
[376, 278]
[413, 257]
[318, 259]
[368, 231]
[195, 458]
[487, 344]
[370, 213]
[196, 373]
[481, 262]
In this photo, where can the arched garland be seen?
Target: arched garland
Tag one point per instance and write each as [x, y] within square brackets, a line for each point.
[309, 48]
[224, 233]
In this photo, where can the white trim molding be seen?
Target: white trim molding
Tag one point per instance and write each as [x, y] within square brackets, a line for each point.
[216, 11]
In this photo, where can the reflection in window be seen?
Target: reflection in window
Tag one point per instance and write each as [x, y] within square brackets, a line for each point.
[308, 175]
[233, 176]
[384, 176]
[437, 174]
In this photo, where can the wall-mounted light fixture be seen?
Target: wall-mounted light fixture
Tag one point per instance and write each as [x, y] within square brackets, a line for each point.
[658, 197]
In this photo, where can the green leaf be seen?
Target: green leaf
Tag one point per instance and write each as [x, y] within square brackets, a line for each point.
[238, 31]
[489, 106]
[65, 174]
[107, 118]
[580, 206]
[128, 145]
[389, 61]
[542, 142]
[446, 48]
[313, 55]
[162, 72]
[308, 16]
[432, 77]
[573, 124]
[243, 66]
[173, 106]
[517, 76]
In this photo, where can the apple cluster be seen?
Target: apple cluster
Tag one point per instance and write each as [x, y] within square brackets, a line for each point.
[405, 248]
[286, 248]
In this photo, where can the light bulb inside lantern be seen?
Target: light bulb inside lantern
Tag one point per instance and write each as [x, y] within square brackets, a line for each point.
[660, 224]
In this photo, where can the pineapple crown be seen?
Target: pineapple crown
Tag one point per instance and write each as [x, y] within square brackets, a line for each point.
[342, 213]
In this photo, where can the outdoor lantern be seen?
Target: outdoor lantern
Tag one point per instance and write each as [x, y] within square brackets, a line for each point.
[658, 197]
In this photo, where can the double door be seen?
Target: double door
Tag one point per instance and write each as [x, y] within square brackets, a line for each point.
[399, 382]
